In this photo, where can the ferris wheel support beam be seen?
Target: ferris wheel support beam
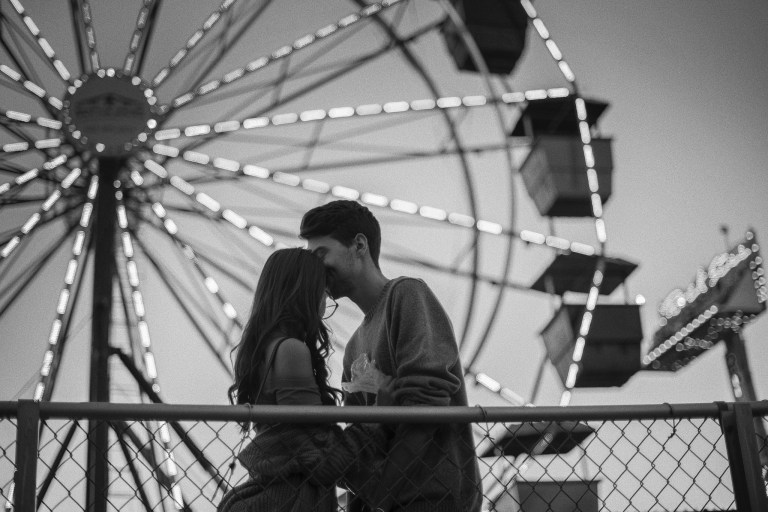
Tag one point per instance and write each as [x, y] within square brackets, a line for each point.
[122, 431]
[17, 55]
[225, 45]
[80, 36]
[145, 39]
[31, 272]
[54, 467]
[180, 301]
[184, 436]
[97, 472]
[134, 473]
[64, 336]
[323, 81]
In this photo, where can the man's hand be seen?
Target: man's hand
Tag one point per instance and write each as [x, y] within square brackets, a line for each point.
[365, 377]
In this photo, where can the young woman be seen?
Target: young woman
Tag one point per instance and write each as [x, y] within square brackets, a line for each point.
[281, 360]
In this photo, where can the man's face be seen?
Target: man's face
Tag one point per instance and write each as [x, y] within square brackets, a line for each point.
[339, 261]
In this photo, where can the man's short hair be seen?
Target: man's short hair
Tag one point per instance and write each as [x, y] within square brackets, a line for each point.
[342, 220]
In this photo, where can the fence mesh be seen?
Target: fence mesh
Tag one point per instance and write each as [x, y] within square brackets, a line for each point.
[7, 460]
[586, 466]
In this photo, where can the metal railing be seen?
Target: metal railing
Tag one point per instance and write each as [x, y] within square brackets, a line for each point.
[683, 457]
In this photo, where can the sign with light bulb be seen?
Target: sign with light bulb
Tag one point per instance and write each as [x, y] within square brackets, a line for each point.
[725, 295]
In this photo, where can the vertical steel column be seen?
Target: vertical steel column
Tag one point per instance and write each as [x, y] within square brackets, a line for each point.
[738, 427]
[104, 270]
[741, 379]
[27, 431]
[738, 367]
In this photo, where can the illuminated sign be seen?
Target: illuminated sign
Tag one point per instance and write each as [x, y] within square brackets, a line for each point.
[725, 295]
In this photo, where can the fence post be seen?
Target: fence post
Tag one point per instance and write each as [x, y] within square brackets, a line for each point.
[738, 427]
[27, 432]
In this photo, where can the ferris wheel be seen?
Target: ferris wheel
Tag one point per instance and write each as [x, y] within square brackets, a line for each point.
[150, 167]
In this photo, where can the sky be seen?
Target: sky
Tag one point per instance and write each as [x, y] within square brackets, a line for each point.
[688, 119]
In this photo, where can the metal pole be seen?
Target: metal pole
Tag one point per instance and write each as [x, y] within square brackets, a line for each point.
[737, 424]
[97, 475]
[741, 380]
[27, 426]
[738, 367]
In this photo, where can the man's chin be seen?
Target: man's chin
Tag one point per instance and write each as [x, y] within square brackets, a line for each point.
[337, 291]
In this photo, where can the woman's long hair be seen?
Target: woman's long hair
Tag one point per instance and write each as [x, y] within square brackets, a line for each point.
[286, 303]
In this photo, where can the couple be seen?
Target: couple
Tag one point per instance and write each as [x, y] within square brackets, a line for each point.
[403, 353]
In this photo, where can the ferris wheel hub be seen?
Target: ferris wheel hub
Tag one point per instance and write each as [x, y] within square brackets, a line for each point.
[109, 113]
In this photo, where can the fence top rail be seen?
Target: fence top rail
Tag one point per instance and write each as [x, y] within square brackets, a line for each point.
[361, 414]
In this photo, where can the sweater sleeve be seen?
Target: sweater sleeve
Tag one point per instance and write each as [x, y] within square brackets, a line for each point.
[425, 353]
[424, 346]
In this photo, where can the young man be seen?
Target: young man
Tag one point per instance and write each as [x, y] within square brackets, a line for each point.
[406, 335]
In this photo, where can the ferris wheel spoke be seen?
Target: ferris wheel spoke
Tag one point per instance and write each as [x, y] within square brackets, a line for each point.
[14, 40]
[302, 70]
[452, 270]
[183, 434]
[137, 313]
[194, 40]
[22, 118]
[385, 153]
[48, 218]
[137, 481]
[369, 198]
[212, 261]
[141, 37]
[126, 301]
[226, 43]
[400, 111]
[66, 304]
[247, 249]
[207, 280]
[163, 273]
[137, 310]
[328, 77]
[31, 223]
[31, 88]
[25, 145]
[495, 386]
[165, 476]
[16, 286]
[85, 35]
[283, 52]
[211, 204]
[31, 146]
[60, 453]
[183, 286]
[32, 28]
[431, 265]
[11, 202]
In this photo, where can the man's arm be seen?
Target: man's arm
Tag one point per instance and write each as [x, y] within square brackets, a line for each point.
[425, 351]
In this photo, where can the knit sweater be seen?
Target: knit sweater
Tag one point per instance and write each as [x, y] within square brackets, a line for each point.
[295, 468]
[410, 338]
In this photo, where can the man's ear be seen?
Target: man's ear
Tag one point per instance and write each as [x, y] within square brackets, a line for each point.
[360, 244]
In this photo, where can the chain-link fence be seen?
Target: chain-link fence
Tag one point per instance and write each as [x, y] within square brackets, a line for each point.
[688, 457]
[7, 457]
